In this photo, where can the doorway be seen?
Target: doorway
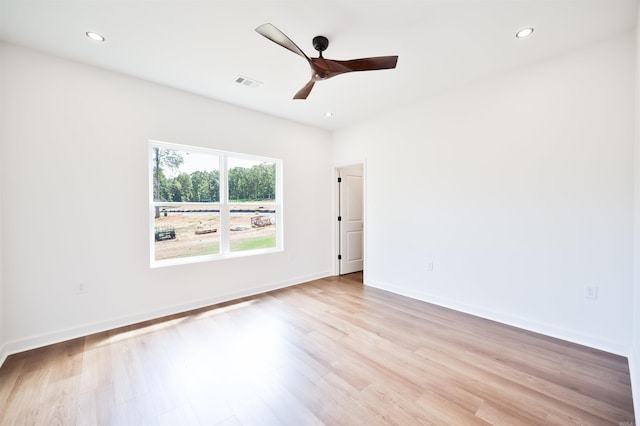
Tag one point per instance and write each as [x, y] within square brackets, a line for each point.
[350, 219]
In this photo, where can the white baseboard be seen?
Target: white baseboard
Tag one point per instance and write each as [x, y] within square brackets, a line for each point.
[58, 336]
[523, 323]
[3, 355]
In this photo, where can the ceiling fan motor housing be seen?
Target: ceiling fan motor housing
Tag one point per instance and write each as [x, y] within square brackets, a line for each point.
[320, 43]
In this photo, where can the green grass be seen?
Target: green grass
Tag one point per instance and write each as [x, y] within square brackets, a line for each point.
[253, 243]
[201, 250]
[236, 245]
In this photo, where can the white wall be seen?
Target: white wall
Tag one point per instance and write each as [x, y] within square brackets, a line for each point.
[634, 356]
[75, 198]
[518, 189]
[2, 307]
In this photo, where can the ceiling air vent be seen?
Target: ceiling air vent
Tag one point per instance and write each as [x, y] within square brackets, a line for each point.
[248, 82]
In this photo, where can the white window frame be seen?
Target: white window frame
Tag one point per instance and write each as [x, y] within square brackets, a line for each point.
[223, 206]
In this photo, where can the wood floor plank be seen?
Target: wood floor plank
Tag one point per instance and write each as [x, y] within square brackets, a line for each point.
[181, 415]
[330, 352]
[96, 406]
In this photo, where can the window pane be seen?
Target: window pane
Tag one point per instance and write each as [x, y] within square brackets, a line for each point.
[251, 180]
[185, 176]
[185, 231]
[252, 226]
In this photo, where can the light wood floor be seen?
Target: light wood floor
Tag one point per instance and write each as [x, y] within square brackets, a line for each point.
[327, 352]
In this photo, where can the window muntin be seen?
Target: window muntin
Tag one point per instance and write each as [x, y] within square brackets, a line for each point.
[191, 215]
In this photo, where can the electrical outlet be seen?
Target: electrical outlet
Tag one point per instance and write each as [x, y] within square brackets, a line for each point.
[591, 292]
[430, 266]
[81, 288]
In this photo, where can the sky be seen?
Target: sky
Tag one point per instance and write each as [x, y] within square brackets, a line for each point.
[199, 161]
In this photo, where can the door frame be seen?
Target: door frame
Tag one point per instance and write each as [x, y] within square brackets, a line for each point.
[336, 213]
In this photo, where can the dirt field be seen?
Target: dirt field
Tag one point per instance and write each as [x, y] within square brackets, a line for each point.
[188, 243]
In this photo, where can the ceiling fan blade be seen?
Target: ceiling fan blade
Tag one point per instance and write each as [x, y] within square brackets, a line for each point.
[321, 68]
[304, 92]
[369, 64]
[275, 35]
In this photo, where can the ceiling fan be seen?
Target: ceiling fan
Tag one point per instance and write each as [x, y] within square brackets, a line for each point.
[321, 68]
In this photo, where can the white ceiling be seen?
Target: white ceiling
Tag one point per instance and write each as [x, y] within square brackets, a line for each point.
[203, 46]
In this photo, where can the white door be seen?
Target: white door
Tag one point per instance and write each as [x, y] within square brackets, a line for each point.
[350, 219]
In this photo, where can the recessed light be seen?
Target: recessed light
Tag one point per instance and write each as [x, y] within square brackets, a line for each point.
[94, 36]
[525, 32]
[328, 114]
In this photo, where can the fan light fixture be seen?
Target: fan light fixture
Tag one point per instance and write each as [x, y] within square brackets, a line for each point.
[95, 36]
[525, 32]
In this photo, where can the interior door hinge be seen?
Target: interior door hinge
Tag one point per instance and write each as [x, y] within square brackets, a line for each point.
[339, 179]
[339, 218]
[339, 257]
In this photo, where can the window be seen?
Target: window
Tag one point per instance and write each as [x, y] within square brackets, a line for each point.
[208, 204]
